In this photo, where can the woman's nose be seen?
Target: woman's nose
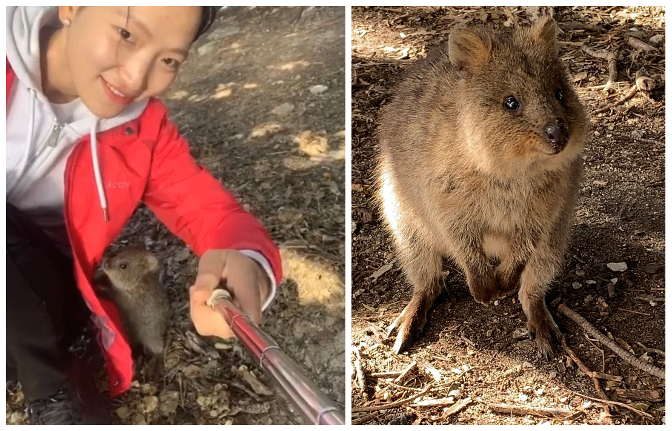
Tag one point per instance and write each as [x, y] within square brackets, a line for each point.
[135, 74]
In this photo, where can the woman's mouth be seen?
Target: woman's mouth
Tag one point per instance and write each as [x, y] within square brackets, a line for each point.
[115, 95]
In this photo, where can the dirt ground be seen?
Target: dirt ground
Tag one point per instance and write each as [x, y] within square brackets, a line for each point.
[262, 102]
[469, 351]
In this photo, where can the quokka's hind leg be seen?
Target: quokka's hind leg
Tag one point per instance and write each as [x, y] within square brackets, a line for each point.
[422, 266]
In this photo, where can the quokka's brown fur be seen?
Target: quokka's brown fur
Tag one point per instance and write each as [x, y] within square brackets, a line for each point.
[462, 174]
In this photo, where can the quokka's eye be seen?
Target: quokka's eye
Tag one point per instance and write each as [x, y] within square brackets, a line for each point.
[558, 94]
[123, 266]
[511, 103]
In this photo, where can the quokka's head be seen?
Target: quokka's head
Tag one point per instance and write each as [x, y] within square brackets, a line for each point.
[128, 266]
[516, 102]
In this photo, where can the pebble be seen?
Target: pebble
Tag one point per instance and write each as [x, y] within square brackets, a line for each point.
[614, 280]
[617, 267]
[318, 89]
[283, 109]
[169, 401]
[657, 39]
[652, 268]
[591, 282]
[123, 412]
[637, 133]
[576, 285]
[150, 403]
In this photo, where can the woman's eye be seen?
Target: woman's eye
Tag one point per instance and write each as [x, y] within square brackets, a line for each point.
[125, 34]
[171, 62]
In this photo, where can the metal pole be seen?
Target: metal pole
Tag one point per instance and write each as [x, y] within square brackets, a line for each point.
[313, 405]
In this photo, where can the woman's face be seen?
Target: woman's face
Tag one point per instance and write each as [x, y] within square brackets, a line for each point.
[117, 55]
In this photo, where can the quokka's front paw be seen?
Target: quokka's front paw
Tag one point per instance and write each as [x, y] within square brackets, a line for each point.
[484, 288]
[544, 331]
[409, 324]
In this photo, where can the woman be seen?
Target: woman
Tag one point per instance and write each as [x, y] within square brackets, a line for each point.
[87, 141]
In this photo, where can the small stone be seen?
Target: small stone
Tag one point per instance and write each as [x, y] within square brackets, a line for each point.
[150, 403]
[539, 391]
[522, 397]
[617, 267]
[614, 280]
[657, 39]
[553, 374]
[637, 133]
[318, 89]
[283, 109]
[576, 285]
[123, 412]
[589, 299]
[496, 302]
[600, 183]
[597, 133]
[591, 282]
[169, 402]
[651, 268]
[139, 419]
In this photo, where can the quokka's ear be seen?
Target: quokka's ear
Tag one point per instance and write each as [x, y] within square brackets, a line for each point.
[468, 51]
[152, 263]
[545, 31]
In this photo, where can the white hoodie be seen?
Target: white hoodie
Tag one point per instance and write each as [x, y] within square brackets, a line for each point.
[41, 134]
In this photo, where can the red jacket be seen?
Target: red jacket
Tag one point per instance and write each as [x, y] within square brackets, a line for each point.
[146, 160]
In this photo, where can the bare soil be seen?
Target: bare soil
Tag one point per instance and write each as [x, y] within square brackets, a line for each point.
[244, 102]
[471, 351]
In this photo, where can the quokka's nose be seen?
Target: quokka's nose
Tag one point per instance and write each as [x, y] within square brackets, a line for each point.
[557, 134]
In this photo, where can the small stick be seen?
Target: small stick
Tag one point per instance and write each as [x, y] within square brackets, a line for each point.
[641, 46]
[611, 64]
[650, 349]
[468, 341]
[394, 404]
[648, 141]
[544, 412]
[406, 388]
[635, 312]
[616, 403]
[637, 394]
[361, 377]
[631, 359]
[589, 373]
[650, 298]
[406, 372]
[364, 419]
[629, 95]
[434, 403]
[456, 408]
[386, 374]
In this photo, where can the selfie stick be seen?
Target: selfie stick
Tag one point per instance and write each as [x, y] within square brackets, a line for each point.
[307, 398]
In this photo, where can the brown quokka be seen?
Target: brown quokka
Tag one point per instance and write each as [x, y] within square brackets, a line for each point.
[134, 286]
[479, 161]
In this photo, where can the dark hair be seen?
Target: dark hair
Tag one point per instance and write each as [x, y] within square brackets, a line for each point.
[207, 18]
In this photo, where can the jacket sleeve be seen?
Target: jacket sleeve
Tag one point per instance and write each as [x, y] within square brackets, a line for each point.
[195, 206]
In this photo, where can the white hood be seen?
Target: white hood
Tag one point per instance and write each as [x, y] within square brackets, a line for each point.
[40, 135]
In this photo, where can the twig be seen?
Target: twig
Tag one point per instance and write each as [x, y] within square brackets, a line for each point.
[635, 312]
[434, 403]
[544, 412]
[406, 388]
[456, 408]
[364, 419]
[406, 372]
[611, 65]
[631, 359]
[629, 95]
[650, 349]
[650, 298]
[386, 374]
[648, 141]
[361, 377]
[641, 46]
[600, 350]
[637, 394]
[589, 373]
[394, 404]
[616, 403]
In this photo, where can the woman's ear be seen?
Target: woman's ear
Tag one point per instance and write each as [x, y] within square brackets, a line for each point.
[66, 14]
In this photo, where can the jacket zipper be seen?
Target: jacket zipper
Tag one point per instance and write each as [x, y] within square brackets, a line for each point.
[52, 139]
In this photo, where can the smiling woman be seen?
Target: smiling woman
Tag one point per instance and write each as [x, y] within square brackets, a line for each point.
[87, 142]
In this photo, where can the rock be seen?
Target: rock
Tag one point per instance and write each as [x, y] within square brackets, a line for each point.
[223, 32]
[139, 419]
[576, 285]
[519, 333]
[589, 299]
[150, 403]
[591, 282]
[651, 268]
[600, 183]
[318, 89]
[657, 39]
[123, 412]
[283, 109]
[637, 133]
[617, 267]
[249, 378]
[169, 402]
[208, 48]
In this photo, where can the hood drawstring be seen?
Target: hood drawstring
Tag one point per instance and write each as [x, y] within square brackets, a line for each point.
[21, 167]
[96, 171]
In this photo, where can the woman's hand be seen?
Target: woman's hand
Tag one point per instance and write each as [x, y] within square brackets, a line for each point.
[245, 279]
